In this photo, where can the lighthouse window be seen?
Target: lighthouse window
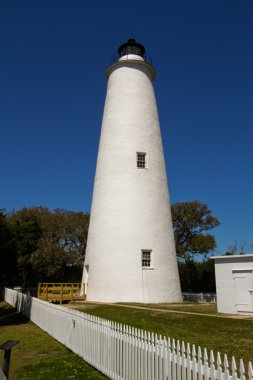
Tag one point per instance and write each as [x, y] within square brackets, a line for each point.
[141, 160]
[146, 259]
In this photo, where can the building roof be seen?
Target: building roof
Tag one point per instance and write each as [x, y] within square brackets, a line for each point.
[232, 256]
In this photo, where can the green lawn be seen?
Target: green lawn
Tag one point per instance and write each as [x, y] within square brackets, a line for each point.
[192, 307]
[230, 336]
[38, 356]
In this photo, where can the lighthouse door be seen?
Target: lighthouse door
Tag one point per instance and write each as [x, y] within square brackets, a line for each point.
[86, 277]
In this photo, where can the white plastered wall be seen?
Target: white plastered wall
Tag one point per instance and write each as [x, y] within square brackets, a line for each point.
[234, 284]
[130, 206]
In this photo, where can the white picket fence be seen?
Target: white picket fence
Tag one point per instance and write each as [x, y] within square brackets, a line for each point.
[123, 352]
[200, 297]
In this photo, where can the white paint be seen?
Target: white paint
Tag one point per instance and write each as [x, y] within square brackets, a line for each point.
[234, 284]
[124, 352]
[130, 206]
[131, 56]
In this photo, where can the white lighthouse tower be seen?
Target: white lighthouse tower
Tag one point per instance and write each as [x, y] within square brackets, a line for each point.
[130, 254]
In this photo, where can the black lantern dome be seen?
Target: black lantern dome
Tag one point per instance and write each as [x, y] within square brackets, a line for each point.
[131, 47]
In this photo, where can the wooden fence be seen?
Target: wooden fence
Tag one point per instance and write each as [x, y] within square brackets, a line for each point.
[58, 292]
[126, 353]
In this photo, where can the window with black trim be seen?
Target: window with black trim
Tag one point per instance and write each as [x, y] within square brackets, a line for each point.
[141, 160]
[146, 258]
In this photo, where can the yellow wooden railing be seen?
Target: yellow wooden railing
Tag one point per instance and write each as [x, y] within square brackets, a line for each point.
[58, 291]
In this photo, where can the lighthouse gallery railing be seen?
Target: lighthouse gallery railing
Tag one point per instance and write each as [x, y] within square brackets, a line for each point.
[123, 352]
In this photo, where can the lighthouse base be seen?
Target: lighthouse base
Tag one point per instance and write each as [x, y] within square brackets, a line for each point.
[150, 287]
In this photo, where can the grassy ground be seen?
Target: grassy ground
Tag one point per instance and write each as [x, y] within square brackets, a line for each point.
[192, 307]
[38, 356]
[230, 336]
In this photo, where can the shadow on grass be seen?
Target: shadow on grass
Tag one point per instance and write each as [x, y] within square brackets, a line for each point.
[65, 367]
[10, 316]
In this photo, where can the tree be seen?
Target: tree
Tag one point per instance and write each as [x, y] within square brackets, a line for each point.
[58, 253]
[189, 276]
[26, 236]
[207, 276]
[236, 249]
[7, 251]
[18, 239]
[197, 276]
[190, 222]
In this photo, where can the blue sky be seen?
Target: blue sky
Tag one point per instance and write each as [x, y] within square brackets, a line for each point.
[52, 89]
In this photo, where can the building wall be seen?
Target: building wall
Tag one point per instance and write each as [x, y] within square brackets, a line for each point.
[234, 284]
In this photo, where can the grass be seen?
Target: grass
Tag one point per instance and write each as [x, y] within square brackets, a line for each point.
[233, 337]
[192, 307]
[38, 356]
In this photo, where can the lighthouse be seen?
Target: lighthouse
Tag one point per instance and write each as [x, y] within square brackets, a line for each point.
[130, 255]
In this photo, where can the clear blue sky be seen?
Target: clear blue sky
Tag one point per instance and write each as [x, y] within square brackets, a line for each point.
[53, 56]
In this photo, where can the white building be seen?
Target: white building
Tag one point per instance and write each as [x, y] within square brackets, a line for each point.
[130, 252]
[234, 284]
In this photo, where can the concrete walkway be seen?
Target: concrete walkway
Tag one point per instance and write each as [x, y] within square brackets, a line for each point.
[79, 305]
